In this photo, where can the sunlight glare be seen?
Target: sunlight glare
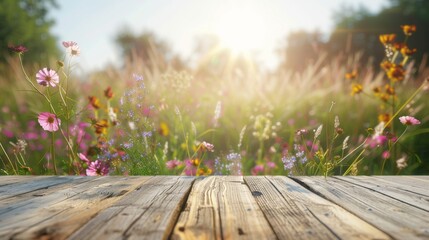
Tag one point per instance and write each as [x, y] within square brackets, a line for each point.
[241, 27]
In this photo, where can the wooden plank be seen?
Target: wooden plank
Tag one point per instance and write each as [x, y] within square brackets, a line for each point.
[149, 212]
[297, 213]
[222, 207]
[32, 184]
[390, 189]
[60, 213]
[11, 179]
[410, 183]
[394, 217]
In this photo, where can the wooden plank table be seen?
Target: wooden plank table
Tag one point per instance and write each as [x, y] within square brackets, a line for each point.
[216, 207]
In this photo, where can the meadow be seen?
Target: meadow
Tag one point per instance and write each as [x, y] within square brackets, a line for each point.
[225, 116]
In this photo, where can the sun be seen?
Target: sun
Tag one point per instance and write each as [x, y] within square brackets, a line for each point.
[241, 27]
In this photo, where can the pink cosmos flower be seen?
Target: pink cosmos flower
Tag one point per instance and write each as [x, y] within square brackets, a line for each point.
[173, 164]
[408, 120]
[47, 76]
[72, 47]
[49, 121]
[18, 49]
[83, 158]
[97, 168]
[257, 169]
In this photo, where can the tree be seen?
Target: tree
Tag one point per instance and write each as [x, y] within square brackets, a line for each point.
[358, 30]
[26, 22]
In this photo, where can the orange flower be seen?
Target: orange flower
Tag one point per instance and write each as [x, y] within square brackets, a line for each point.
[95, 102]
[356, 89]
[384, 97]
[396, 73]
[108, 93]
[390, 90]
[398, 46]
[408, 52]
[351, 75]
[386, 65]
[195, 162]
[387, 38]
[409, 29]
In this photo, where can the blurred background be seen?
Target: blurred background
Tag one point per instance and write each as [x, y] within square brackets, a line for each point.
[282, 59]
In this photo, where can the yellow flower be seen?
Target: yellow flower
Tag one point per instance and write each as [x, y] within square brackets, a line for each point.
[384, 117]
[390, 90]
[95, 102]
[408, 52]
[386, 65]
[409, 29]
[396, 73]
[163, 129]
[384, 97]
[398, 46]
[101, 126]
[351, 75]
[195, 162]
[356, 89]
[376, 90]
[387, 38]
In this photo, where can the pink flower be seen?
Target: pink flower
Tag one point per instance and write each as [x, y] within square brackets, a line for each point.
[173, 164]
[97, 168]
[72, 47]
[408, 120]
[83, 158]
[47, 76]
[385, 155]
[18, 49]
[257, 169]
[68, 44]
[207, 146]
[49, 121]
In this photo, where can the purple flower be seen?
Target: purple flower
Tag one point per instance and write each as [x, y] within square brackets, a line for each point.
[97, 168]
[408, 120]
[49, 121]
[47, 76]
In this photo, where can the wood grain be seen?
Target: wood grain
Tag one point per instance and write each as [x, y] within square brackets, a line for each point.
[396, 218]
[222, 208]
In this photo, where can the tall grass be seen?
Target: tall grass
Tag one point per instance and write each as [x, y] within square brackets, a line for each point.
[163, 120]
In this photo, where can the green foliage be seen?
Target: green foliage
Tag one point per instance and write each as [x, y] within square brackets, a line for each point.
[26, 22]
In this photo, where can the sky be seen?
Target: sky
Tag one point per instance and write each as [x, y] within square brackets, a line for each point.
[255, 26]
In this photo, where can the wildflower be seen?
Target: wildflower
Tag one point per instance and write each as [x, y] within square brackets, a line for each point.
[345, 143]
[205, 146]
[336, 122]
[18, 49]
[351, 75]
[396, 72]
[163, 129]
[173, 164]
[101, 126]
[288, 162]
[19, 146]
[49, 121]
[301, 132]
[386, 65]
[95, 102]
[407, 51]
[97, 168]
[47, 76]
[72, 47]
[108, 93]
[318, 132]
[398, 46]
[83, 158]
[385, 155]
[408, 120]
[390, 89]
[408, 29]
[257, 169]
[402, 162]
[376, 90]
[387, 38]
[356, 89]
[384, 117]
[113, 116]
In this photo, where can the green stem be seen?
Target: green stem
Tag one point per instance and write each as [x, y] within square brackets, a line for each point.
[53, 153]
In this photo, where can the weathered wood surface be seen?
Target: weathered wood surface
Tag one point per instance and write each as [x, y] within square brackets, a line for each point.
[217, 207]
